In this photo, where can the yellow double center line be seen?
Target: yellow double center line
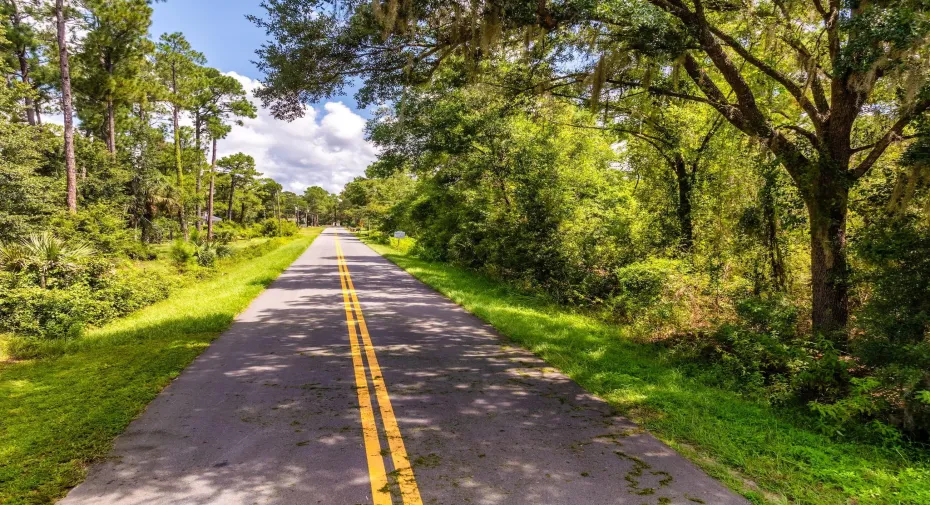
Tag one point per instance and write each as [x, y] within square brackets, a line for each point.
[380, 490]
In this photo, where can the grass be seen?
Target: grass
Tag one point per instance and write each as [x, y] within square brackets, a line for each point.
[59, 414]
[762, 453]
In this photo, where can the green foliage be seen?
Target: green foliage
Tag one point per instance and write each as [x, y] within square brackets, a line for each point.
[273, 227]
[760, 353]
[207, 253]
[645, 293]
[100, 226]
[182, 253]
[768, 454]
[121, 367]
[206, 256]
[46, 313]
[35, 314]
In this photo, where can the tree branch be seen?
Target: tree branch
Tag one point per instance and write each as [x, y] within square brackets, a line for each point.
[891, 136]
[809, 135]
[665, 92]
[796, 91]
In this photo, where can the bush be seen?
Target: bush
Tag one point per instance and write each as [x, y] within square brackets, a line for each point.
[224, 235]
[762, 354]
[35, 315]
[649, 295]
[46, 313]
[141, 252]
[891, 343]
[128, 290]
[99, 226]
[206, 256]
[182, 253]
[272, 227]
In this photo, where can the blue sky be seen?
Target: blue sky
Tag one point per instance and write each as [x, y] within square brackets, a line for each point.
[325, 148]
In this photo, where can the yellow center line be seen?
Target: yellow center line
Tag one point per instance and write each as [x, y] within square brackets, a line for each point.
[406, 481]
[379, 485]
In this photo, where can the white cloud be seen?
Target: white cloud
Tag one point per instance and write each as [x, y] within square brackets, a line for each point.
[326, 147]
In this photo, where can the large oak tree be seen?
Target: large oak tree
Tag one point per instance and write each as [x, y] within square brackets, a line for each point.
[827, 86]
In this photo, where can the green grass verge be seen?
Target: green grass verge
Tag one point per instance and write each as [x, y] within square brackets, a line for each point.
[56, 415]
[754, 449]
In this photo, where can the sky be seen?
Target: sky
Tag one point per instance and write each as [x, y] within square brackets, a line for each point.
[325, 148]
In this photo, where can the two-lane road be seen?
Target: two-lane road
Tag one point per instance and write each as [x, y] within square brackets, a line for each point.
[349, 382]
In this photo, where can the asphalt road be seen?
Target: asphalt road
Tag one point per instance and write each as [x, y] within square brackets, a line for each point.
[367, 387]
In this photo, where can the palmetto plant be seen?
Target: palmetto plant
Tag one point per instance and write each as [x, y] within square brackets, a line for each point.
[43, 253]
[13, 258]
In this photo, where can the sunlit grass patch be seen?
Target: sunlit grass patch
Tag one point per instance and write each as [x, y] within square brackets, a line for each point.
[768, 455]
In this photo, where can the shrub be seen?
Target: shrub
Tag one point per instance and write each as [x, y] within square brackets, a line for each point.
[128, 290]
[182, 253]
[46, 313]
[759, 353]
[272, 227]
[140, 251]
[891, 342]
[36, 315]
[100, 226]
[224, 235]
[206, 256]
[649, 294]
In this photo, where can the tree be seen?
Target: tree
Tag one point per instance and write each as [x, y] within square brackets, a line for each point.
[683, 144]
[177, 66]
[241, 170]
[819, 128]
[22, 43]
[27, 197]
[220, 98]
[801, 77]
[66, 107]
[316, 199]
[112, 56]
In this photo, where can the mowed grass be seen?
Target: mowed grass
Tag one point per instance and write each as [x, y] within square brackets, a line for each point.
[58, 414]
[761, 453]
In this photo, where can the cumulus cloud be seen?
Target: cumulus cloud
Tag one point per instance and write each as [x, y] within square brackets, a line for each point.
[326, 147]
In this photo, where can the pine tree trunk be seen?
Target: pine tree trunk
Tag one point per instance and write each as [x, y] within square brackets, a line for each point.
[111, 125]
[199, 178]
[30, 104]
[210, 196]
[66, 106]
[180, 171]
[232, 194]
[31, 110]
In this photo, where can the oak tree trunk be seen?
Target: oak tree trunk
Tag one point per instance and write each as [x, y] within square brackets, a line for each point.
[685, 182]
[66, 106]
[827, 209]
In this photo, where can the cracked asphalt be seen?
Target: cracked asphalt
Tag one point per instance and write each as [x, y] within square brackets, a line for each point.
[270, 413]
